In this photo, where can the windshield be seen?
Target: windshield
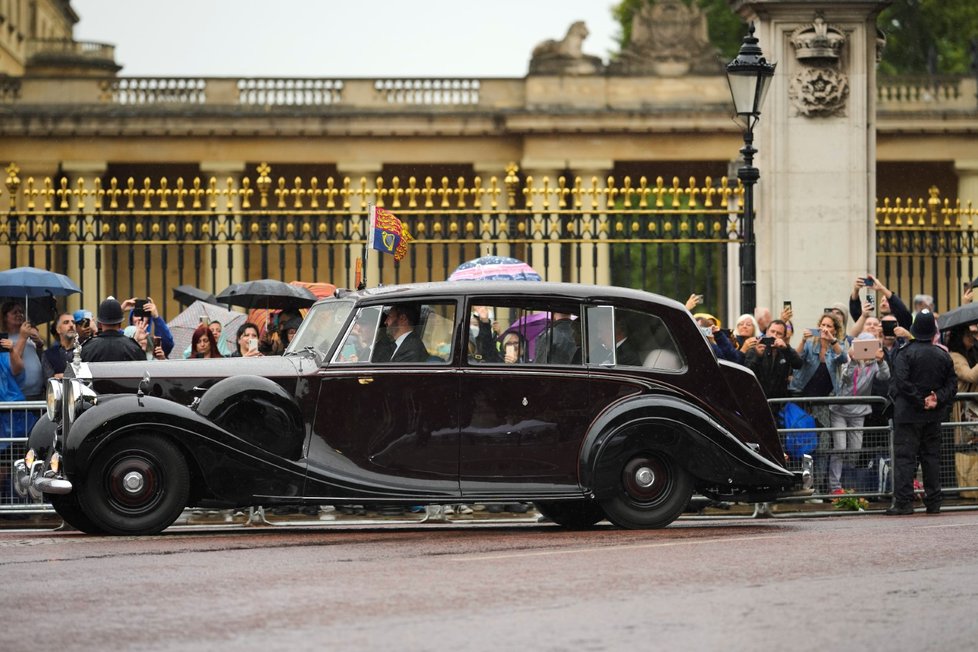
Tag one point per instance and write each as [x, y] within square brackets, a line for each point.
[321, 326]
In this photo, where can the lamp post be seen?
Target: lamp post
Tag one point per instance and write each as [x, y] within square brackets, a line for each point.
[749, 76]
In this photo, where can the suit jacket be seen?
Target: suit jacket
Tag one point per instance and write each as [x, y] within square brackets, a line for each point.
[626, 353]
[411, 350]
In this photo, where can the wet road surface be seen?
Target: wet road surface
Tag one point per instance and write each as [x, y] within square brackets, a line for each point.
[865, 582]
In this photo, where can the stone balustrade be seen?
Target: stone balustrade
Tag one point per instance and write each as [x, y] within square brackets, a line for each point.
[895, 94]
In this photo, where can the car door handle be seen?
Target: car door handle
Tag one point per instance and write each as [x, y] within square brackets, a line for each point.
[365, 380]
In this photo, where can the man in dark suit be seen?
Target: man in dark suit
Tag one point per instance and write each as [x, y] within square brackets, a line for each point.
[401, 321]
[625, 349]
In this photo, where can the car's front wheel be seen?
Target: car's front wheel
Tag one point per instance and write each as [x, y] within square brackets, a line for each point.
[650, 491]
[571, 514]
[136, 485]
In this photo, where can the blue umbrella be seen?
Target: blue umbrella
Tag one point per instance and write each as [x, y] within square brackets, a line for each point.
[494, 268]
[30, 282]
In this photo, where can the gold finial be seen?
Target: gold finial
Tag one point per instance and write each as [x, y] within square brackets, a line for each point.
[13, 183]
[280, 192]
[512, 181]
[933, 203]
[264, 183]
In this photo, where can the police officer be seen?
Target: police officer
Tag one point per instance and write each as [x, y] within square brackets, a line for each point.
[111, 344]
[922, 388]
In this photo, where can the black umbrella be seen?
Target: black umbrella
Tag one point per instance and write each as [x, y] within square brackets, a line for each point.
[40, 311]
[962, 316]
[187, 294]
[266, 293]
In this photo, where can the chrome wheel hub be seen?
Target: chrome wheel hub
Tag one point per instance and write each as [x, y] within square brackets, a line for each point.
[644, 477]
[133, 482]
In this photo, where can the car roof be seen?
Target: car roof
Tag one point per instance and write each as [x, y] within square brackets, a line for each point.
[523, 289]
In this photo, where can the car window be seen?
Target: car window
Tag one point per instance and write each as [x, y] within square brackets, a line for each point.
[400, 333]
[543, 333]
[358, 342]
[626, 337]
[321, 326]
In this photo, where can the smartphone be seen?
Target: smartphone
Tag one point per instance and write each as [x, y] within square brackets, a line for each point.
[787, 305]
[707, 331]
[816, 332]
[767, 341]
[140, 308]
[871, 300]
[157, 341]
[889, 328]
[204, 320]
[869, 282]
[253, 344]
[4, 336]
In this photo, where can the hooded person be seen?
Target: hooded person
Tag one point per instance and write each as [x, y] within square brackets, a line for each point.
[154, 324]
[857, 380]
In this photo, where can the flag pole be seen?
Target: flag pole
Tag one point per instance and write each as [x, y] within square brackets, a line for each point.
[372, 217]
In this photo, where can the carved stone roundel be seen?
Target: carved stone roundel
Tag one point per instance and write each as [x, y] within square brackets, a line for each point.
[819, 91]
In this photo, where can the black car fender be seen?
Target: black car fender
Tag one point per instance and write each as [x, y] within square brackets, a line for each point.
[42, 436]
[674, 426]
[121, 414]
[246, 424]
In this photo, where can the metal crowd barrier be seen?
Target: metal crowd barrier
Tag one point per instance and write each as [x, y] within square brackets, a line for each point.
[16, 417]
[866, 473]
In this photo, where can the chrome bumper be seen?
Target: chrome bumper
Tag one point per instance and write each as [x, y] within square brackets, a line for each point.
[36, 481]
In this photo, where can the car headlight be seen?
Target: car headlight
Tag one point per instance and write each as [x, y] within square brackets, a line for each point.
[78, 396]
[53, 398]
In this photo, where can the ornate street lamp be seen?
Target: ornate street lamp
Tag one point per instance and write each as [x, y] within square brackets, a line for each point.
[749, 76]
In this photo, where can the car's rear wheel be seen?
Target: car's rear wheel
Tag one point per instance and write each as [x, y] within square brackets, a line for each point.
[137, 485]
[70, 511]
[651, 491]
[571, 514]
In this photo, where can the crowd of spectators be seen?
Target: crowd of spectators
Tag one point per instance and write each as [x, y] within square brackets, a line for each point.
[849, 352]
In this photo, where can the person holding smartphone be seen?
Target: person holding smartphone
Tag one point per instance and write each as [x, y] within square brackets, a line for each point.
[773, 361]
[513, 348]
[25, 350]
[143, 312]
[823, 355]
[887, 303]
[246, 340]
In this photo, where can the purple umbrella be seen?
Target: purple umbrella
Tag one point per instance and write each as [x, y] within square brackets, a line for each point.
[530, 328]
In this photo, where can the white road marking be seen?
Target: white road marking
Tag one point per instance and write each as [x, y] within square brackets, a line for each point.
[662, 544]
[931, 527]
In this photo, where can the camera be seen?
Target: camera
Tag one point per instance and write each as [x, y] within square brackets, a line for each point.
[767, 341]
[869, 282]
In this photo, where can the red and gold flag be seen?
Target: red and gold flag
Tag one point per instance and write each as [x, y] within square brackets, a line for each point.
[390, 236]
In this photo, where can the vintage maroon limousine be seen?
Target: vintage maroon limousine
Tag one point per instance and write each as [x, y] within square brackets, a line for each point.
[592, 402]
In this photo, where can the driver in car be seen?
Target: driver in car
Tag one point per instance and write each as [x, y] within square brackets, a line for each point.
[400, 323]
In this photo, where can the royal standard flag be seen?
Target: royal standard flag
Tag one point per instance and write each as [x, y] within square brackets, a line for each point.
[390, 236]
